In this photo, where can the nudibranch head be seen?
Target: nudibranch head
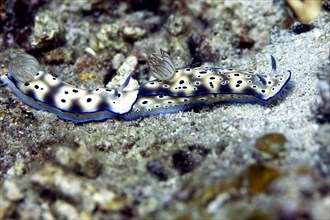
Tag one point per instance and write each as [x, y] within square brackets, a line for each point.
[161, 66]
[22, 66]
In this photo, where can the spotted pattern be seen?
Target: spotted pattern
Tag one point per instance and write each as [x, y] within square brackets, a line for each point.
[173, 91]
[162, 104]
[47, 89]
[203, 80]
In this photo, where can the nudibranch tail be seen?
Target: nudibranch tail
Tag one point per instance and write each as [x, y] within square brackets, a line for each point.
[173, 91]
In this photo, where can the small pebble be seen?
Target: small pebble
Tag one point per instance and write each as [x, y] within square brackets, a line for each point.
[155, 168]
[12, 191]
[259, 177]
[134, 32]
[271, 144]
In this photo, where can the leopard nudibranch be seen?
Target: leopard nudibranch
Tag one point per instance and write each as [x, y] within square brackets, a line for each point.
[172, 91]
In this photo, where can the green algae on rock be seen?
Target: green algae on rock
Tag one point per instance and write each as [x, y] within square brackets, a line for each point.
[109, 37]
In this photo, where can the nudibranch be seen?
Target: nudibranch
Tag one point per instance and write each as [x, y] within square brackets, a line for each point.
[173, 90]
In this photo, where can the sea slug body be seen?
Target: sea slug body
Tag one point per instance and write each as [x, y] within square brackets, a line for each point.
[173, 90]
